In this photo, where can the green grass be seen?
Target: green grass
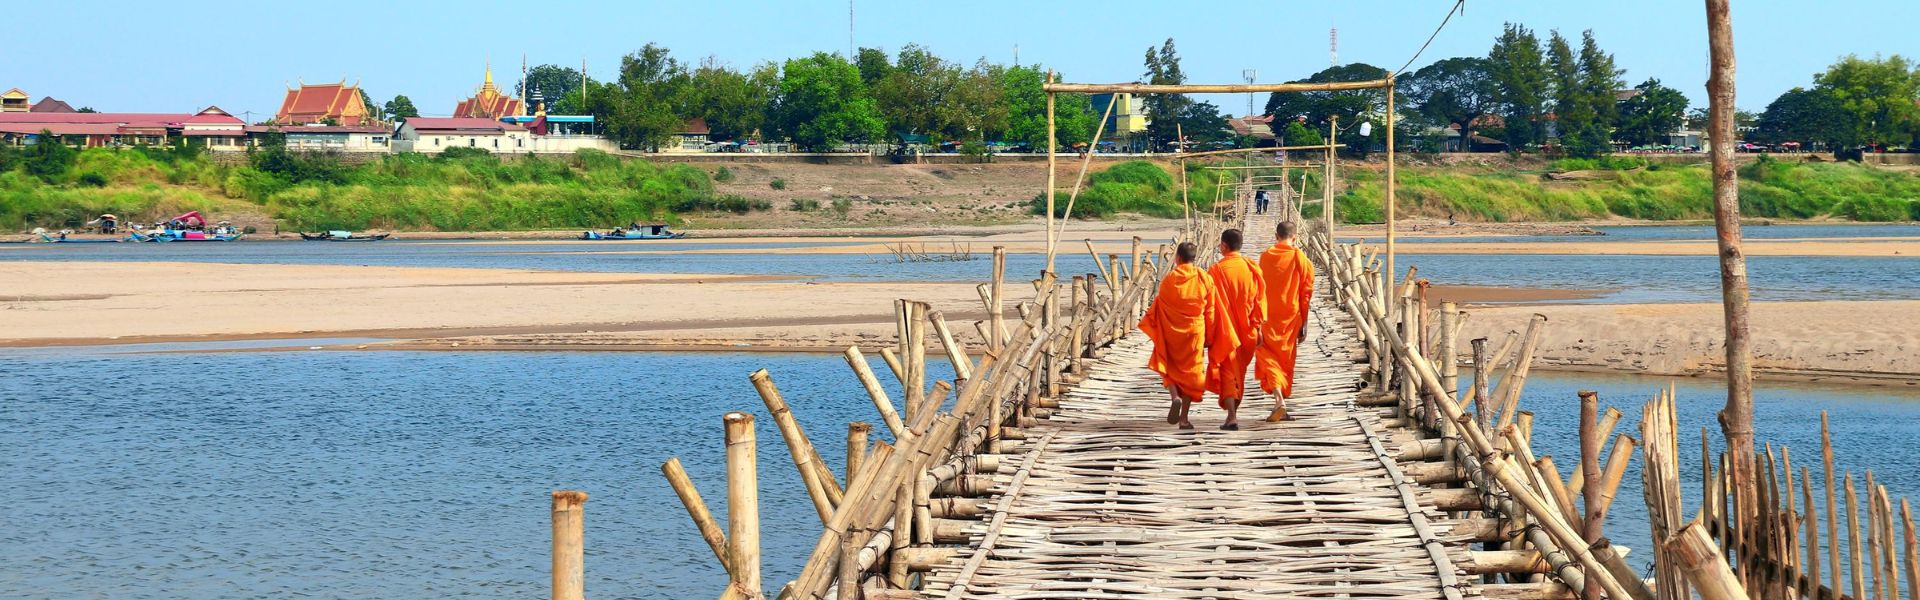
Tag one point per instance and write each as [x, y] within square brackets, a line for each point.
[1136, 187]
[476, 192]
[1768, 188]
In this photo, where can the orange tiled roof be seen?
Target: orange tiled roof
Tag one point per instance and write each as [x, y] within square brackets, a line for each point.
[316, 103]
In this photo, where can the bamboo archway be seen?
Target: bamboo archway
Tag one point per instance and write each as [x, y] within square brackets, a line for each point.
[1056, 224]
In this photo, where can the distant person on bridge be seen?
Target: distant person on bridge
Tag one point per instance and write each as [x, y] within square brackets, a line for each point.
[1260, 202]
[1236, 279]
[1288, 276]
[1186, 320]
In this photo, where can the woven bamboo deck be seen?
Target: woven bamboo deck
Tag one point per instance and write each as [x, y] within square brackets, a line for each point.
[1109, 501]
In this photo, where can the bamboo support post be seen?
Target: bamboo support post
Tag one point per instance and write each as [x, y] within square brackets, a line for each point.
[697, 510]
[814, 474]
[1511, 385]
[1561, 533]
[1449, 354]
[1833, 506]
[1480, 374]
[1912, 547]
[856, 447]
[569, 545]
[858, 362]
[1700, 559]
[996, 313]
[743, 503]
[1853, 540]
[962, 364]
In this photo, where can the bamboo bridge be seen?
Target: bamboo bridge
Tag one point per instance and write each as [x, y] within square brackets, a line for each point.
[1046, 469]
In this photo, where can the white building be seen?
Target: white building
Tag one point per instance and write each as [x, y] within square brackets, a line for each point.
[327, 138]
[433, 135]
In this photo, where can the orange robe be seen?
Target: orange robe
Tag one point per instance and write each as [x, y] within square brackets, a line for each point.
[1289, 286]
[1242, 291]
[1186, 318]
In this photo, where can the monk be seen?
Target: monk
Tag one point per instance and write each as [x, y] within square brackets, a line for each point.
[1185, 320]
[1289, 289]
[1237, 280]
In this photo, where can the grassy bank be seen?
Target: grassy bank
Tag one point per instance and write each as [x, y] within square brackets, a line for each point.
[1630, 188]
[453, 192]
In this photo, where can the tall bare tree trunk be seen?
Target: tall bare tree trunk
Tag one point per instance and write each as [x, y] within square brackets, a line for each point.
[1736, 420]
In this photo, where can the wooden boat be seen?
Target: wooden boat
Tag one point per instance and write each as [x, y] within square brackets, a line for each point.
[189, 235]
[62, 240]
[637, 231]
[342, 236]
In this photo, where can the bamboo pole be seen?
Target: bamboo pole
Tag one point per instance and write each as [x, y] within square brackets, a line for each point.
[1703, 564]
[1480, 373]
[1231, 88]
[962, 364]
[879, 394]
[1104, 275]
[996, 314]
[1590, 465]
[1913, 551]
[743, 504]
[1449, 348]
[1510, 386]
[1853, 540]
[1052, 163]
[1889, 573]
[1392, 184]
[1569, 541]
[569, 545]
[1812, 541]
[1180, 137]
[814, 474]
[1833, 510]
[856, 447]
[1086, 164]
[697, 510]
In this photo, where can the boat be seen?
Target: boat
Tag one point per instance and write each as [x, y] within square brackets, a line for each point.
[67, 240]
[636, 231]
[190, 227]
[342, 236]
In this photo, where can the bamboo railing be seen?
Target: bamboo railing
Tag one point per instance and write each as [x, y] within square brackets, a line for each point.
[901, 506]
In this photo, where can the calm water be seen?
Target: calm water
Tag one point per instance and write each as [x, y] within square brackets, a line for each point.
[362, 474]
[604, 257]
[1688, 232]
[1679, 278]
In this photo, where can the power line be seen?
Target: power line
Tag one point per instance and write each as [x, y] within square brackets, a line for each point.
[1457, 7]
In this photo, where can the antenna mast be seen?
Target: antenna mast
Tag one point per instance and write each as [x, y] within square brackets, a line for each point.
[1333, 47]
[850, 49]
[1250, 75]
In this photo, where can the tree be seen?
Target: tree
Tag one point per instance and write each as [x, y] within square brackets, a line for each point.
[822, 102]
[1877, 96]
[1164, 110]
[1647, 118]
[734, 104]
[874, 66]
[1563, 77]
[401, 107]
[978, 110]
[1351, 106]
[47, 158]
[1803, 115]
[1456, 91]
[915, 91]
[1202, 123]
[553, 82]
[374, 111]
[1299, 134]
[1519, 73]
[1599, 78]
[86, 109]
[639, 111]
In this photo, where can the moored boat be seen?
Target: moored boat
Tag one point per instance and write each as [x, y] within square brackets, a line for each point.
[636, 231]
[342, 236]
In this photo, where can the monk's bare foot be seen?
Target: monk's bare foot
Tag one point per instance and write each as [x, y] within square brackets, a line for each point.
[1173, 410]
[1279, 414]
[1185, 424]
[1233, 415]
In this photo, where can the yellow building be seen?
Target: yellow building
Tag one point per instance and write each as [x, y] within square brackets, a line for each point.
[1129, 119]
[14, 101]
[488, 103]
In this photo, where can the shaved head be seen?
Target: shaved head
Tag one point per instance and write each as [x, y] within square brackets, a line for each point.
[1186, 252]
[1284, 231]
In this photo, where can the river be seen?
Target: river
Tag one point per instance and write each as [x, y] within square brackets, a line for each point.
[245, 473]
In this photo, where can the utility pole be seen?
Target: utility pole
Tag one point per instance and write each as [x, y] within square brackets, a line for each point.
[1333, 47]
[850, 49]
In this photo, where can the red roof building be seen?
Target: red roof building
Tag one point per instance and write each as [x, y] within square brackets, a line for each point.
[221, 130]
[339, 103]
[488, 103]
[49, 104]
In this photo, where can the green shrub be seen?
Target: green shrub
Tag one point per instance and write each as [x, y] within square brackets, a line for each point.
[92, 180]
[804, 205]
[723, 175]
[1603, 163]
[1130, 187]
[777, 183]
[463, 152]
[842, 206]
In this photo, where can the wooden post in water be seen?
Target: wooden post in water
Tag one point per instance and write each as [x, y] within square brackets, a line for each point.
[1392, 185]
[996, 313]
[814, 474]
[1326, 184]
[856, 447]
[743, 504]
[1853, 540]
[569, 545]
[1052, 139]
[1590, 465]
[1449, 348]
[1833, 510]
[1736, 420]
[1480, 373]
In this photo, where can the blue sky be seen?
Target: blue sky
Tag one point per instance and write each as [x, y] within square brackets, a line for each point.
[180, 56]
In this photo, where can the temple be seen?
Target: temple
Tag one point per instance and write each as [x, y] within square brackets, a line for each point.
[489, 103]
[326, 103]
